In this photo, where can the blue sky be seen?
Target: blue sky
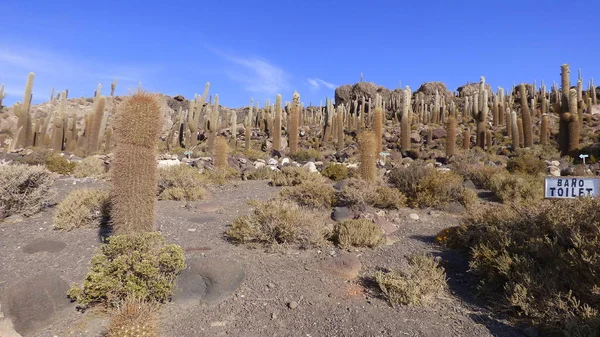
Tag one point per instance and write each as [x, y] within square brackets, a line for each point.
[252, 49]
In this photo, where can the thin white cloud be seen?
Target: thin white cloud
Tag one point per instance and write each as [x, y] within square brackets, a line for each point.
[316, 83]
[257, 75]
[55, 70]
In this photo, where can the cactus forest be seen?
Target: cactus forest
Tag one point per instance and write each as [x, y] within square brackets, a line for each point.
[374, 212]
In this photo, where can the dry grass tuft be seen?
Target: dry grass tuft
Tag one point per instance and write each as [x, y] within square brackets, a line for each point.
[90, 167]
[291, 176]
[277, 221]
[180, 182]
[83, 207]
[359, 193]
[312, 193]
[358, 233]
[424, 280]
[24, 189]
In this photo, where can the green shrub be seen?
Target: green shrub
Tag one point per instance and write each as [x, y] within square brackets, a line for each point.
[58, 164]
[180, 182]
[539, 262]
[83, 207]
[142, 266]
[25, 189]
[311, 193]
[358, 233]
[335, 171]
[39, 156]
[424, 280]
[276, 221]
[90, 167]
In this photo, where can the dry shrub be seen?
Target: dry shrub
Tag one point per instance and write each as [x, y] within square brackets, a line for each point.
[141, 265]
[39, 156]
[90, 167]
[481, 175]
[58, 164]
[423, 280]
[358, 233]
[220, 175]
[526, 163]
[291, 176]
[429, 187]
[517, 187]
[180, 182]
[539, 262]
[133, 317]
[24, 189]
[312, 193]
[83, 207]
[306, 155]
[276, 221]
[335, 171]
[262, 173]
[359, 193]
[254, 155]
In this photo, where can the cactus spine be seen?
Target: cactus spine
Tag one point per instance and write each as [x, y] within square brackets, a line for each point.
[138, 125]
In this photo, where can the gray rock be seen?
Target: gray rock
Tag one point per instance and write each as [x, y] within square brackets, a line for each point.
[413, 216]
[469, 184]
[554, 171]
[341, 214]
[207, 281]
[311, 167]
[346, 266]
[32, 303]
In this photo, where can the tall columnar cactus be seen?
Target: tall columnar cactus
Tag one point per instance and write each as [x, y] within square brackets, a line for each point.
[113, 86]
[489, 139]
[405, 122]
[221, 152]
[481, 113]
[573, 127]
[451, 136]
[248, 126]
[2, 94]
[277, 124]
[544, 130]
[96, 123]
[495, 111]
[294, 120]
[436, 108]
[593, 92]
[515, 129]
[466, 139]
[108, 139]
[368, 156]
[213, 125]
[138, 125]
[24, 137]
[520, 128]
[340, 130]
[378, 127]
[194, 113]
[526, 116]
[563, 124]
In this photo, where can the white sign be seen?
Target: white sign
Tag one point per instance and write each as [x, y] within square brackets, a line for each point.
[570, 187]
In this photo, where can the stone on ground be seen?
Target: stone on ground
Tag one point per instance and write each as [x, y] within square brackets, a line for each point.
[346, 266]
[207, 281]
[31, 303]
